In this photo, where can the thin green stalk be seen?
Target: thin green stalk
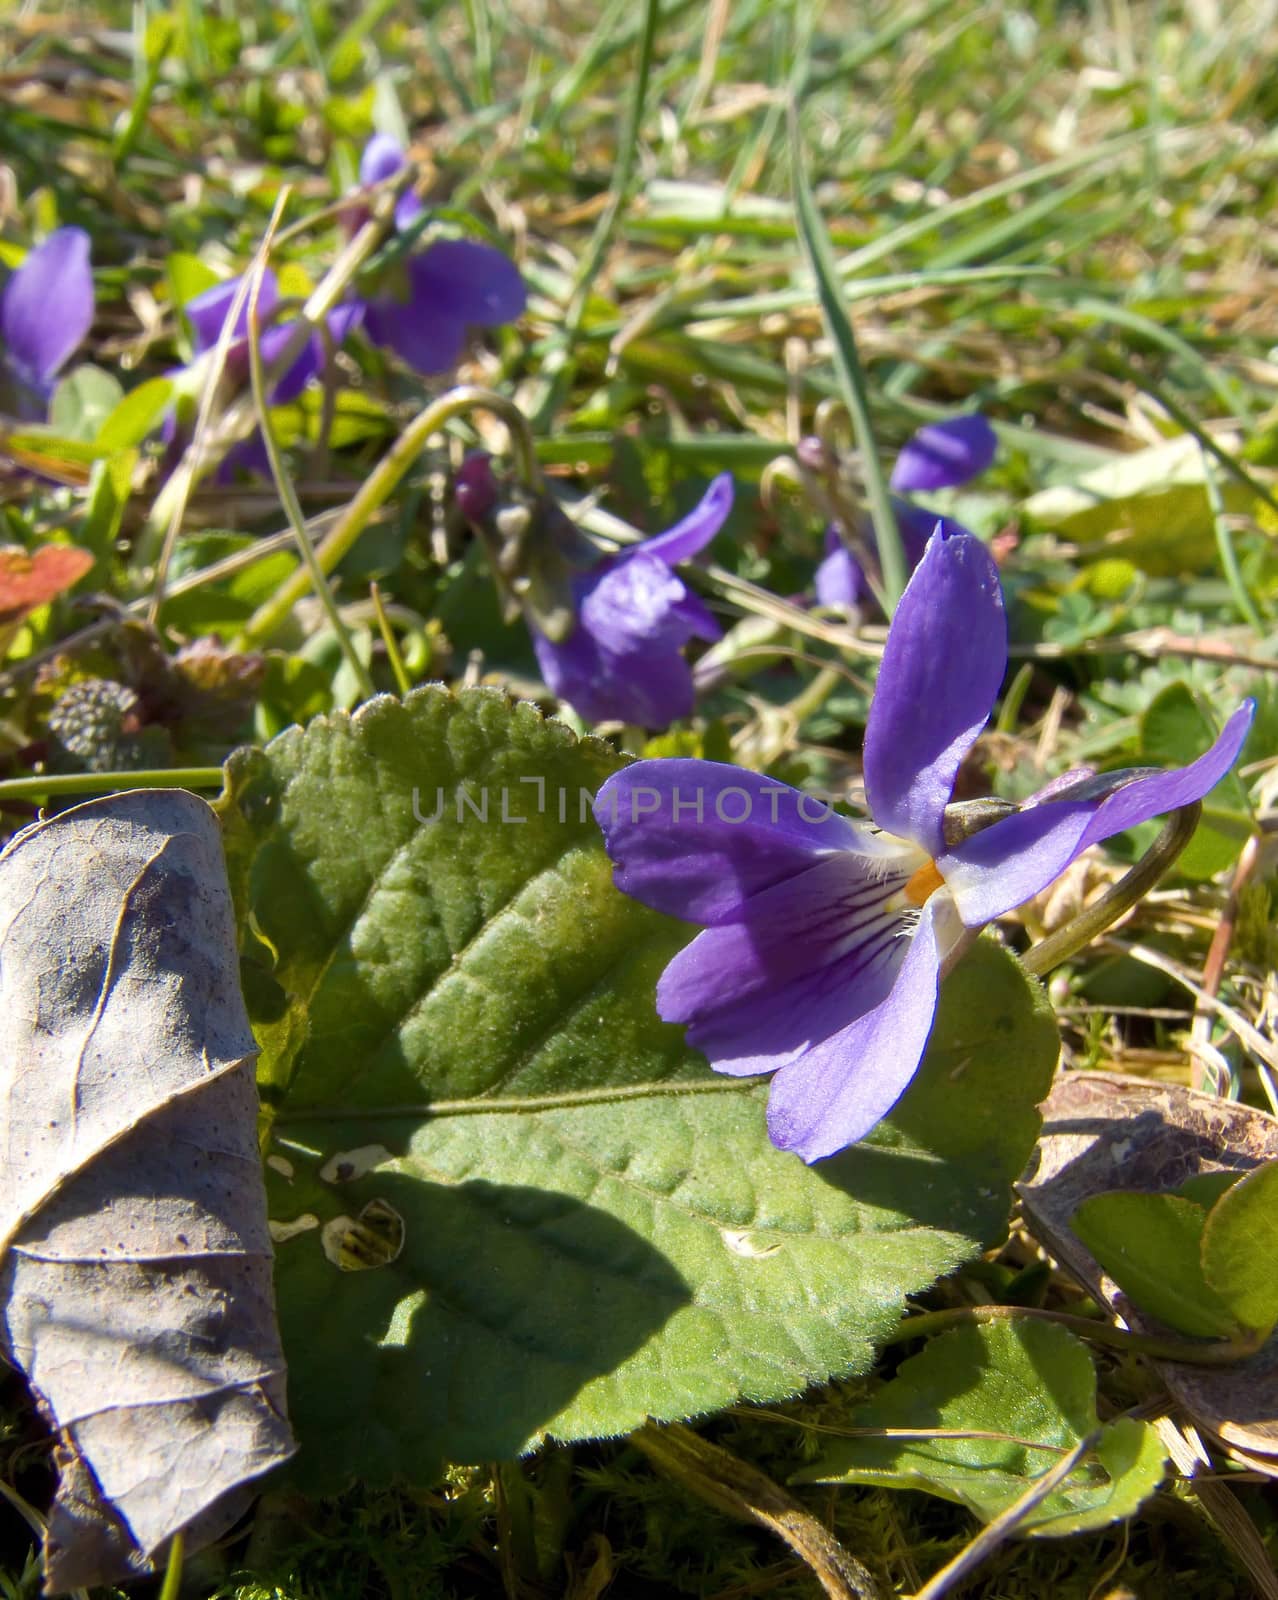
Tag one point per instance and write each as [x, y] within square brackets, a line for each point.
[1005, 1524]
[847, 364]
[378, 488]
[283, 483]
[481, 48]
[1193, 1352]
[172, 1585]
[126, 139]
[557, 364]
[1225, 547]
[1133, 886]
[36, 788]
[209, 446]
[402, 681]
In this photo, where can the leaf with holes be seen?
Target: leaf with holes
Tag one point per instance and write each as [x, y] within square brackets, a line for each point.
[509, 1201]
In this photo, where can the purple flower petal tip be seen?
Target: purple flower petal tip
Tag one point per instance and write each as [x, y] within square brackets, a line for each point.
[691, 534]
[1008, 864]
[944, 455]
[383, 156]
[46, 308]
[453, 285]
[942, 667]
[839, 578]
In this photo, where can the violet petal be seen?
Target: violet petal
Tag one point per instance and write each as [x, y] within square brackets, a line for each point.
[1007, 864]
[836, 1092]
[467, 282]
[424, 341]
[208, 311]
[839, 579]
[691, 534]
[383, 156]
[811, 953]
[46, 308]
[944, 661]
[696, 839]
[604, 682]
[943, 455]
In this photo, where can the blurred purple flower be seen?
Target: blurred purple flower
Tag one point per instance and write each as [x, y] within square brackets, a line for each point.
[207, 313]
[383, 157]
[942, 455]
[46, 309]
[623, 661]
[825, 939]
[427, 301]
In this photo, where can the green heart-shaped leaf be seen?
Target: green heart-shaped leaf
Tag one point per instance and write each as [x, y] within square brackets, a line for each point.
[509, 1200]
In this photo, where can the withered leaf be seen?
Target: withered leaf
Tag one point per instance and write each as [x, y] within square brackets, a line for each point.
[136, 1271]
[27, 580]
[1102, 1132]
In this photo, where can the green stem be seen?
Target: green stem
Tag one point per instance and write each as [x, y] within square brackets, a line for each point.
[847, 365]
[283, 483]
[557, 363]
[34, 788]
[172, 1585]
[1177, 831]
[1213, 1353]
[740, 1490]
[378, 488]
[1225, 547]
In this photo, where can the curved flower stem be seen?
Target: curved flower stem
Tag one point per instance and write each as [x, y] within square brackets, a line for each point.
[1177, 831]
[1006, 1523]
[378, 488]
[1193, 1352]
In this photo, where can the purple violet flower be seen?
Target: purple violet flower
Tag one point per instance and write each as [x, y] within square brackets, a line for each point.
[46, 309]
[207, 314]
[429, 300]
[826, 939]
[623, 660]
[942, 455]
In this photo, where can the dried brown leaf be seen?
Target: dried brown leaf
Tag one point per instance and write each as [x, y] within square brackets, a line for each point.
[136, 1281]
[27, 581]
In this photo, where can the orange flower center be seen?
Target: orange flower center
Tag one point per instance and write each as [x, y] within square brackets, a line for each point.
[926, 881]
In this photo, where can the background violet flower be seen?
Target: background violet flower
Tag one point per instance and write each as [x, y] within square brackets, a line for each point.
[623, 660]
[942, 455]
[825, 939]
[46, 310]
[427, 302]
